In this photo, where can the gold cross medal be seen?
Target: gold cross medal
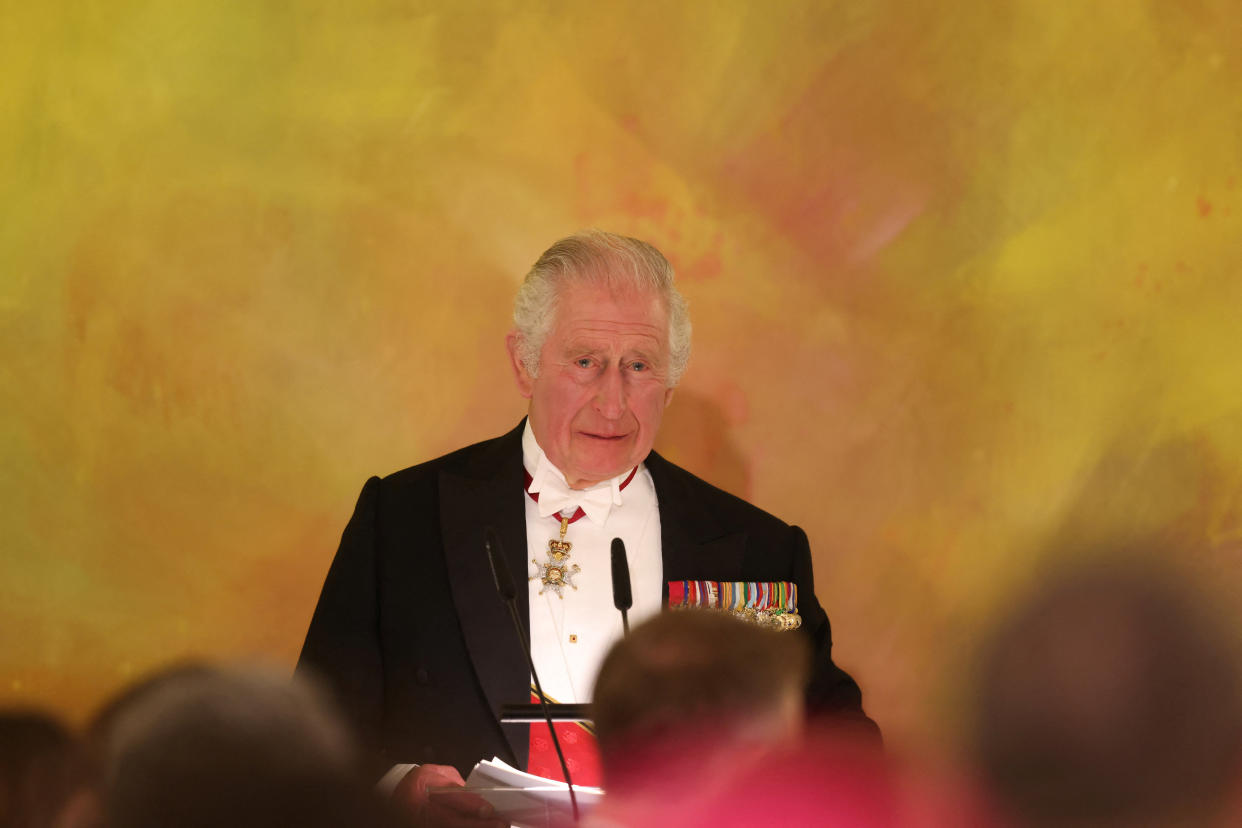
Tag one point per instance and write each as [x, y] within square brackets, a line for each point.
[556, 572]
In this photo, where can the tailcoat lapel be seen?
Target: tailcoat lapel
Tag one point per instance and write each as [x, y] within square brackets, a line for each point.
[694, 545]
[489, 491]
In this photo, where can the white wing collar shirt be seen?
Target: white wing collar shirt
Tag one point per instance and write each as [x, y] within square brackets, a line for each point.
[571, 631]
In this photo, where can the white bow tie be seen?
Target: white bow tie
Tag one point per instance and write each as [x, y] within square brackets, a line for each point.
[556, 496]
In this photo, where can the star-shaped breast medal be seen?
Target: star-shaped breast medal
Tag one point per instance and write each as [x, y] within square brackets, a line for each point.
[556, 575]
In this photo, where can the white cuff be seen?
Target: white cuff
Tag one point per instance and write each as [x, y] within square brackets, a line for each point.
[388, 782]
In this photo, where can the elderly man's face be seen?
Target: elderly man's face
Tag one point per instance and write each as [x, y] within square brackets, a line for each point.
[602, 386]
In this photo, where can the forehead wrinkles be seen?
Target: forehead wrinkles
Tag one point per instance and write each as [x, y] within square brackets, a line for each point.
[601, 319]
[614, 335]
[612, 327]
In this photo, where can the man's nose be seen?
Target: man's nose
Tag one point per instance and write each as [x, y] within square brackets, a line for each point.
[610, 393]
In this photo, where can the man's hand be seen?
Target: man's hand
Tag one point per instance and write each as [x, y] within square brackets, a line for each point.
[443, 810]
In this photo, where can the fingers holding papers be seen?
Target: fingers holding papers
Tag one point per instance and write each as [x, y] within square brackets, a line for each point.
[443, 810]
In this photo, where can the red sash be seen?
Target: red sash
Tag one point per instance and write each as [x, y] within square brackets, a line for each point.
[578, 743]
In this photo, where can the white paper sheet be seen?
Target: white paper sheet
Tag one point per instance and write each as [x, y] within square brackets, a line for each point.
[526, 800]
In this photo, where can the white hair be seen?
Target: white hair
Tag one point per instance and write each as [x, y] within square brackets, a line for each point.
[602, 258]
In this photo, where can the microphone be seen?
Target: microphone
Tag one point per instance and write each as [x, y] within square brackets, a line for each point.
[507, 593]
[622, 595]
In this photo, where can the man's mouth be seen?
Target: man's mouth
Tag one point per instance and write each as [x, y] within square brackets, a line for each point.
[611, 437]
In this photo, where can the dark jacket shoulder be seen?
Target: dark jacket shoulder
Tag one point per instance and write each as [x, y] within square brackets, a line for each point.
[714, 507]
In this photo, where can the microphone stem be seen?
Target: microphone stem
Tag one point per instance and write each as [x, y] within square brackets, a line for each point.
[543, 703]
[625, 622]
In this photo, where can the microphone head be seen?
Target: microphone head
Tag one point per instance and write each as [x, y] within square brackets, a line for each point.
[500, 569]
[622, 597]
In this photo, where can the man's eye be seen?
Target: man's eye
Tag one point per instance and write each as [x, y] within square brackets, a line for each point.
[638, 366]
[583, 362]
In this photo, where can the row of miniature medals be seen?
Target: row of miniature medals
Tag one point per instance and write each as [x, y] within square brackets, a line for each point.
[557, 572]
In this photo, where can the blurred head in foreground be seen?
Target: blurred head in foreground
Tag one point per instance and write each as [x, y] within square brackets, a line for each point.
[696, 677]
[827, 778]
[206, 747]
[39, 769]
[1110, 699]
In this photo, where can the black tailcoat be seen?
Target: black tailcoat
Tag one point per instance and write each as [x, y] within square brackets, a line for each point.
[420, 652]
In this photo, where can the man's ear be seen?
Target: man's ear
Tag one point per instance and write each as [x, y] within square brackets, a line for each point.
[525, 382]
[668, 396]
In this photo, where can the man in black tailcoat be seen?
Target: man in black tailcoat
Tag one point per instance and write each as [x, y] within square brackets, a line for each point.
[409, 631]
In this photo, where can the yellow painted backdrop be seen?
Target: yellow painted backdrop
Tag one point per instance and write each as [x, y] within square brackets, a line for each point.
[965, 280]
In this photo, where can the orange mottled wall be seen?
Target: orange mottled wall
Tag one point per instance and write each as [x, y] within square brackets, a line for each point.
[964, 279]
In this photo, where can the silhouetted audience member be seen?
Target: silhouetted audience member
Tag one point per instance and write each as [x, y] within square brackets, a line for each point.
[40, 769]
[99, 730]
[821, 781]
[698, 674]
[699, 718]
[206, 748]
[1110, 699]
